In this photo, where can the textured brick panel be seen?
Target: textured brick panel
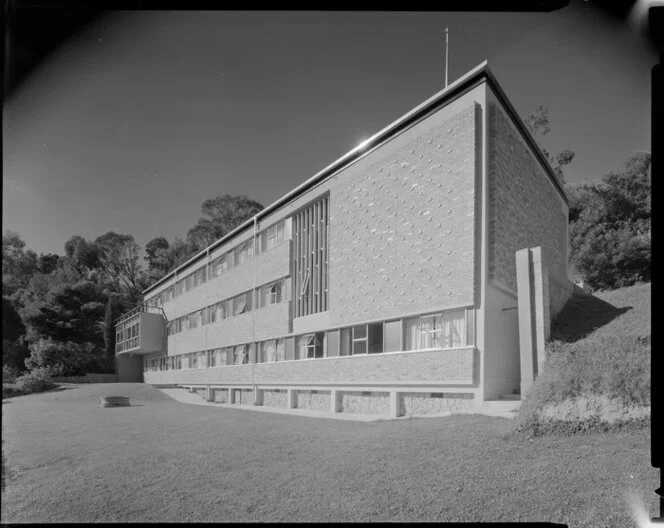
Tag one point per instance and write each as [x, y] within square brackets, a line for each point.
[220, 395]
[318, 401]
[402, 231]
[418, 404]
[525, 210]
[244, 396]
[273, 398]
[431, 366]
[373, 403]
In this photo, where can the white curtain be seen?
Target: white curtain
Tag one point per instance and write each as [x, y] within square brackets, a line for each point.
[270, 351]
[454, 328]
[412, 333]
[281, 350]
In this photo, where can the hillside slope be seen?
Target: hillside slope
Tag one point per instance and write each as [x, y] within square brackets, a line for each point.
[597, 373]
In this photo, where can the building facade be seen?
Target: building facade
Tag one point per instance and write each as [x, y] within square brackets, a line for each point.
[384, 284]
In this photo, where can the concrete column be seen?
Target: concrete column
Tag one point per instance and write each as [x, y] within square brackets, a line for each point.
[231, 395]
[542, 323]
[335, 401]
[258, 396]
[209, 394]
[395, 404]
[291, 399]
[526, 331]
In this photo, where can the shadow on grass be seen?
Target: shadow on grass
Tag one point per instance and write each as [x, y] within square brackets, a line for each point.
[582, 315]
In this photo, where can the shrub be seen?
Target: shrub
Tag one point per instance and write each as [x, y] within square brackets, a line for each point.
[68, 358]
[37, 380]
[617, 367]
[9, 374]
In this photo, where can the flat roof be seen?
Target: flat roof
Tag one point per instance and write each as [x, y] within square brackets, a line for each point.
[464, 83]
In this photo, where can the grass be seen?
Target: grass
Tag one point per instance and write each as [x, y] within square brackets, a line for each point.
[160, 460]
[600, 351]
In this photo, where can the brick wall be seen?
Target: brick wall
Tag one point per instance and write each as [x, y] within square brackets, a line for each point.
[402, 231]
[363, 403]
[436, 366]
[422, 403]
[313, 400]
[525, 210]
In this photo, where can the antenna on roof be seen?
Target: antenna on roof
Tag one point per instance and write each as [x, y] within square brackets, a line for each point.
[446, 55]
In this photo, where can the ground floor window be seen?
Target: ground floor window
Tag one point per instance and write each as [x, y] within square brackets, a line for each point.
[311, 346]
[440, 330]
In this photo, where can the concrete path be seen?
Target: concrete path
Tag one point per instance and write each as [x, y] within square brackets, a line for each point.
[498, 408]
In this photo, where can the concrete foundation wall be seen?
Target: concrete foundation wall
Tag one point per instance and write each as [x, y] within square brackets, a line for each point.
[243, 396]
[275, 398]
[366, 403]
[313, 400]
[423, 403]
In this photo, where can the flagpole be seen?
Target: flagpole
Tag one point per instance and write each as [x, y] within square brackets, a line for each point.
[446, 55]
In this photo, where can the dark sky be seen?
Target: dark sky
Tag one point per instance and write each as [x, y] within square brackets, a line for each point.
[141, 116]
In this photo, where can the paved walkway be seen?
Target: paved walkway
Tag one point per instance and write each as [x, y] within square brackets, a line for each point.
[498, 408]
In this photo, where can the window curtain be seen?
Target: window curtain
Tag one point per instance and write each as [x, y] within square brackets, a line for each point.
[454, 328]
[412, 333]
[281, 350]
[270, 351]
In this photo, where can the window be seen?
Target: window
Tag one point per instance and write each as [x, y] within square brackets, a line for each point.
[393, 341]
[219, 266]
[268, 351]
[442, 330]
[359, 340]
[170, 293]
[271, 294]
[217, 312]
[310, 346]
[242, 252]
[242, 303]
[241, 355]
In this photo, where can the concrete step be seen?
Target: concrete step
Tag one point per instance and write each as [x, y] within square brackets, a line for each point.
[510, 397]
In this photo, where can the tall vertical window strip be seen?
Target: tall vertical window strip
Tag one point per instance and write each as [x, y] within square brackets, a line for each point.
[310, 258]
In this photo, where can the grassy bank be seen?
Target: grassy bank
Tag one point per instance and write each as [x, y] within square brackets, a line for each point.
[161, 460]
[597, 374]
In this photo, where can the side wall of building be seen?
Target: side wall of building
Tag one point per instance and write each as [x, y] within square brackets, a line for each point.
[525, 208]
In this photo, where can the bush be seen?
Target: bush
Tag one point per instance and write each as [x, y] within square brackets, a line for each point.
[617, 367]
[9, 374]
[37, 380]
[68, 358]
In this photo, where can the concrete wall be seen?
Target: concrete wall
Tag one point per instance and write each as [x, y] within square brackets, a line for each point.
[501, 359]
[402, 232]
[423, 403]
[313, 400]
[525, 209]
[450, 367]
[129, 369]
[366, 403]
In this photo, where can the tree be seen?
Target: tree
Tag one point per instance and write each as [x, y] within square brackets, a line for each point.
[159, 258]
[538, 123]
[18, 265]
[222, 214]
[118, 261]
[67, 358]
[68, 313]
[610, 227]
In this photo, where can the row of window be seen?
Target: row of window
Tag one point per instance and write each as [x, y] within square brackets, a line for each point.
[127, 335]
[266, 295]
[266, 239]
[449, 329]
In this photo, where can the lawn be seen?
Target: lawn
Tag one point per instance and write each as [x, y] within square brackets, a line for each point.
[160, 460]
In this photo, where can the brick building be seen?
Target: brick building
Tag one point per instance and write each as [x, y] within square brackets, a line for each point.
[386, 283]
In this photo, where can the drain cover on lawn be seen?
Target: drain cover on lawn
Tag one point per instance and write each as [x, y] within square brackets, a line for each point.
[114, 401]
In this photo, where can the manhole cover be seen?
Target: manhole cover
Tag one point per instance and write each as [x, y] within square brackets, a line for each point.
[114, 401]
